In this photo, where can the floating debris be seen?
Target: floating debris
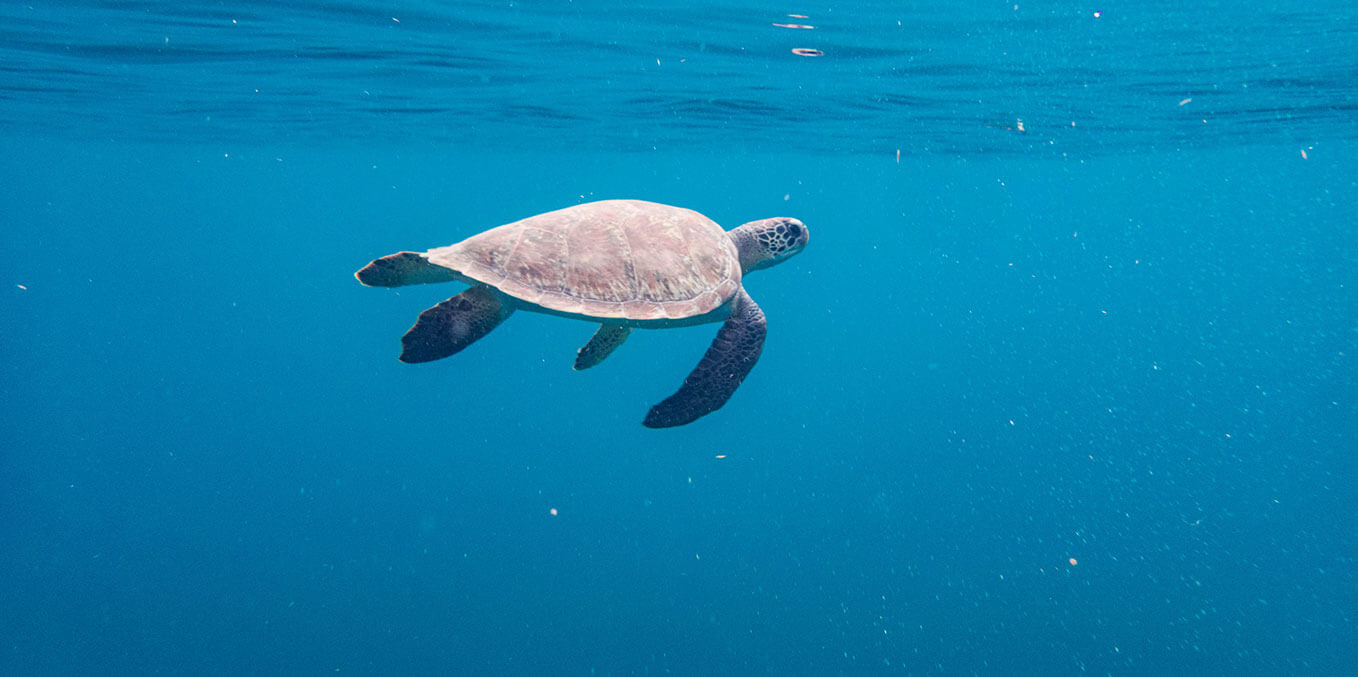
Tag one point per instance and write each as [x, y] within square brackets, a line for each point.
[1018, 127]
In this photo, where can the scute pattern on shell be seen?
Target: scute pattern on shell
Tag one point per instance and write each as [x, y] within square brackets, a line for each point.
[611, 259]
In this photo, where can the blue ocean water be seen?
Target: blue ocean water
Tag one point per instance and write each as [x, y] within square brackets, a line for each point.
[1064, 383]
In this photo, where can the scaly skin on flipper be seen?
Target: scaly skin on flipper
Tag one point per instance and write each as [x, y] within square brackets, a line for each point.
[453, 325]
[601, 345]
[730, 357]
[403, 268]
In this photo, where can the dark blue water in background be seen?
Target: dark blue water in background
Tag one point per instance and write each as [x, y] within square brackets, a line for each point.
[1076, 397]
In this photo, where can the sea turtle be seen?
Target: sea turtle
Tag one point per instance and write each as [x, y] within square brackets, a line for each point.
[620, 263]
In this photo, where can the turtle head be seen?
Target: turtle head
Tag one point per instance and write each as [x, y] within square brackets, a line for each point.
[769, 241]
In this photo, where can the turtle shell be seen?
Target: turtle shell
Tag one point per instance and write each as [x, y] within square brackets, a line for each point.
[624, 259]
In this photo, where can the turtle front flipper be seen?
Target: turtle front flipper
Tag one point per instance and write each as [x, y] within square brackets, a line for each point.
[604, 342]
[730, 357]
[454, 324]
[403, 268]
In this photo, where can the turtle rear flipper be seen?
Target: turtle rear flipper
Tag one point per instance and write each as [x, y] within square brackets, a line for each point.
[605, 341]
[403, 268]
[453, 325]
[730, 357]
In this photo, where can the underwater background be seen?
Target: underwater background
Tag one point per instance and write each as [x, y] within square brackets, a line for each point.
[1063, 384]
